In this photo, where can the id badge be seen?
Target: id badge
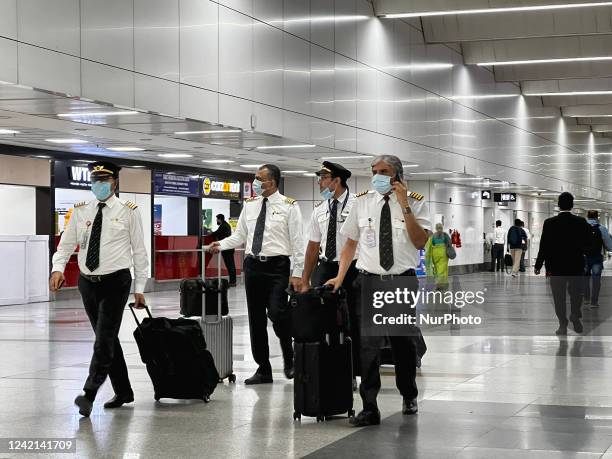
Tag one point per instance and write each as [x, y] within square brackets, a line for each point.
[370, 238]
[85, 237]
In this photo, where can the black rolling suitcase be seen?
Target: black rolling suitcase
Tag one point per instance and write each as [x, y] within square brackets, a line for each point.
[192, 290]
[323, 382]
[174, 351]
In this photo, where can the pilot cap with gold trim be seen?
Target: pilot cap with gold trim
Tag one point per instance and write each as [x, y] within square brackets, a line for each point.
[336, 170]
[103, 168]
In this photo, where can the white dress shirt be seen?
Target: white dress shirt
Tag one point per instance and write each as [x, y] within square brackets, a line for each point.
[283, 233]
[500, 235]
[364, 219]
[121, 241]
[319, 222]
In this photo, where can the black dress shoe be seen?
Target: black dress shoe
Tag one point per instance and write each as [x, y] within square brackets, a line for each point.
[578, 328]
[366, 418]
[258, 378]
[561, 331]
[119, 400]
[289, 372]
[85, 405]
[410, 406]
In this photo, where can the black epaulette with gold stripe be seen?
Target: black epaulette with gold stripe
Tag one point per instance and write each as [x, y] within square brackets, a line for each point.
[252, 198]
[363, 193]
[290, 200]
[80, 204]
[417, 196]
[130, 205]
[318, 203]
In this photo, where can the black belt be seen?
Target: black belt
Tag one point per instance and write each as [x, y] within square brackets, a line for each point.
[325, 260]
[410, 272]
[103, 277]
[265, 259]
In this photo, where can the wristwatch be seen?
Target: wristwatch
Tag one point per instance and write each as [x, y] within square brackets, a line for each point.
[406, 210]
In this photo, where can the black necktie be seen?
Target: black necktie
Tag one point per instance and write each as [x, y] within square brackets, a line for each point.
[385, 249]
[330, 245]
[93, 252]
[259, 229]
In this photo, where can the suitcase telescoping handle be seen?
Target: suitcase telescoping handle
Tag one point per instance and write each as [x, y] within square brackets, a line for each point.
[219, 286]
[131, 306]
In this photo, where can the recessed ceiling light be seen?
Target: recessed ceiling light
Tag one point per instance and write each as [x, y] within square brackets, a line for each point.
[125, 149]
[251, 166]
[483, 96]
[568, 93]
[225, 131]
[136, 166]
[310, 174]
[85, 114]
[42, 156]
[174, 155]
[8, 131]
[66, 141]
[282, 147]
[546, 61]
[348, 157]
[410, 165]
[218, 161]
[509, 9]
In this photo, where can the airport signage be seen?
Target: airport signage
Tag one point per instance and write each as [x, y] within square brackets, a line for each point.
[485, 194]
[504, 197]
[176, 184]
[215, 187]
[71, 175]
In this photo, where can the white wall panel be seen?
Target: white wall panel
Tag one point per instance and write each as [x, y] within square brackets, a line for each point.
[345, 137]
[298, 18]
[156, 38]
[21, 219]
[8, 58]
[156, 95]
[322, 23]
[345, 91]
[322, 133]
[199, 104]
[53, 24]
[322, 71]
[367, 97]
[109, 84]
[199, 43]
[235, 112]
[345, 31]
[49, 70]
[244, 6]
[268, 119]
[296, 126]
[269, 11]
[235, 54]
[8, 18]
[297, 75]
[268, 64]
[107, 33]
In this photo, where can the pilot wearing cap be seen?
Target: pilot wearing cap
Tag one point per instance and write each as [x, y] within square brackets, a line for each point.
[108, 233]
[325, 242]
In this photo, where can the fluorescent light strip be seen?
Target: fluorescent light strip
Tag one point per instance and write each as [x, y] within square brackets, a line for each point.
[251, 166]
[511, 9]
[409, 165]
[294, 172]
[546, 61]
[282, 147]
[310, 174]
[348, 157]
[85, 114]
[125, 149]
[483, 96]
[218, 161]
[568, 93]
[66, 141]
[174, 155]
[227, 131]
[8, 131]
[465, 178]
[432, 173]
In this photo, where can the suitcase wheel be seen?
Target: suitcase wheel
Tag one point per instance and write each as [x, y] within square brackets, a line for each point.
[157, 397]
[351, 414]
[320, 418]
[232, 378]
[297, 416]
[206, 398]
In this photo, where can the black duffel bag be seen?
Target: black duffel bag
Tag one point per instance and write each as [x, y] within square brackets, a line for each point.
[318, 312]
[192, 290]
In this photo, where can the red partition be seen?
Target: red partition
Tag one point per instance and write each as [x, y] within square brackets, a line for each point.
[182, 262]
[211, 267]
[71, 272]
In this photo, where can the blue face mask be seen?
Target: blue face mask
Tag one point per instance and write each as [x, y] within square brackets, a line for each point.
[381, 183]
[327, 194]
[258, 187]
[101, 190]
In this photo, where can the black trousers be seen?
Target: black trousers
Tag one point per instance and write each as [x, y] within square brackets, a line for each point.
[266, 292]
[230, 264]
[560, 286]
[498, 257]
[104, 303]
[325, 271]
[404, 350]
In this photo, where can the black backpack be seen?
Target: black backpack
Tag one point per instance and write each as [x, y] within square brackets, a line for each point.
[514, 237]
[595, 244]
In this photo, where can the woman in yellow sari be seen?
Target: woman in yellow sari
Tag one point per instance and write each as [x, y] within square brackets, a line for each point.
[436, 259]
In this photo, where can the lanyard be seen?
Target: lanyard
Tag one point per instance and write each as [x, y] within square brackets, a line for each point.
[343, 204]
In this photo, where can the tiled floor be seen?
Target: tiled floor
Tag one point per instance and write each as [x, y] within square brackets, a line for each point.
[519, 391]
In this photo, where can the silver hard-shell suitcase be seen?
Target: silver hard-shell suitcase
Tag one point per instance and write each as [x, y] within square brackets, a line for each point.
[219, 332]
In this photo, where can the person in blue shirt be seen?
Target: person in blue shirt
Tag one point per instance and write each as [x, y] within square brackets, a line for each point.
[601, 242]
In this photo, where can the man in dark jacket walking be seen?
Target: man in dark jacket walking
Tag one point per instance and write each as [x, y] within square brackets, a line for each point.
[562, 247]
[516, 237]
[225, 230]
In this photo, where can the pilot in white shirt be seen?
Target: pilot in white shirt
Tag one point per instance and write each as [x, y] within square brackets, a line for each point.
[109, 234]
[389, 226]
[270, 227]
